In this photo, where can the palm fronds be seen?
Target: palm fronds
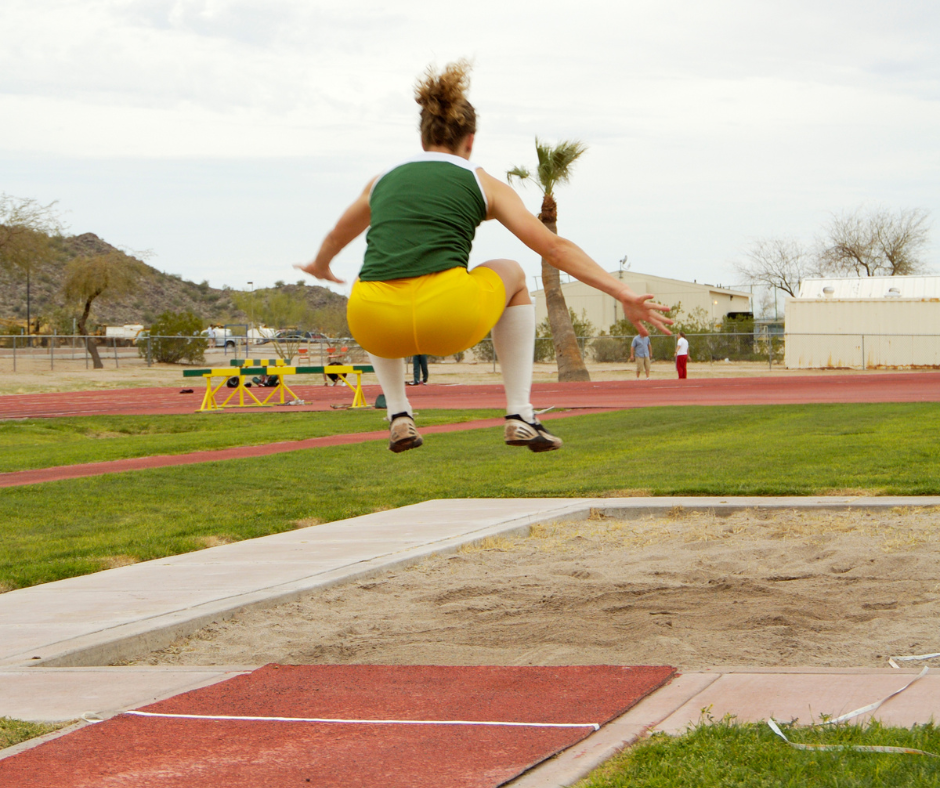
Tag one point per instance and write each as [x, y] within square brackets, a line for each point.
[557, 162]
[521, 174]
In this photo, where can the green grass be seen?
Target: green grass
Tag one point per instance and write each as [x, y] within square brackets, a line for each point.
[16, 731]
[62, 529]
[45, 443]
[731, 755]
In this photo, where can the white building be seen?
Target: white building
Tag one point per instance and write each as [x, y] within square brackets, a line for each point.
[603, 310]
[876, 321]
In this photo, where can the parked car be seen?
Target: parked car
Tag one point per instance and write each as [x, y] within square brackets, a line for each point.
[226, 338]
[295, 335]
[221, 337]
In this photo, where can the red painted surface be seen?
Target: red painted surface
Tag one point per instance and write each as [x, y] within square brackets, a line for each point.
[144, 752]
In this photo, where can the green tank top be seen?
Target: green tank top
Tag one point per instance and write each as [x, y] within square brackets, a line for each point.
[424, 216]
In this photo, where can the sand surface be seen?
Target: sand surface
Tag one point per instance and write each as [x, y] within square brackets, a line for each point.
[757, 588]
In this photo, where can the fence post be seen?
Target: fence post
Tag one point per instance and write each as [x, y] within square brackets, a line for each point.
[864, 366]
[14, 352]
[52, 352]
[85, 345]
[149, 350]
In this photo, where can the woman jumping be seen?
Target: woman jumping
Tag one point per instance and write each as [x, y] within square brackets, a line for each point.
[415, 293]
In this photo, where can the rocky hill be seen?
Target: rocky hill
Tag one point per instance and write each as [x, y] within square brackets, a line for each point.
[155, 292]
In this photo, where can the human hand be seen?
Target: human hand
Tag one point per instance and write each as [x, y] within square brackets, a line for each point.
[639, 309]
[319, 272]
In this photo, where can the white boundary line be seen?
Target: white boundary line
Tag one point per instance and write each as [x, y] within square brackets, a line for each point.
[594, 725]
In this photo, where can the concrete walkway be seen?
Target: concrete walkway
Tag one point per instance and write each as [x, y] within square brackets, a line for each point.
[57, 639]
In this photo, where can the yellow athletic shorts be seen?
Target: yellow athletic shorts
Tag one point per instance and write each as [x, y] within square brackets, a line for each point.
[436, 314]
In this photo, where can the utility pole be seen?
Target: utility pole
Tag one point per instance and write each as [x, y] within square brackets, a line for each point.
[251, 316]
[623, 262]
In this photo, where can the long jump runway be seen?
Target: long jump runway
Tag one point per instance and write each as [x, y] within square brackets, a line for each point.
[344, 726]
[875, 387]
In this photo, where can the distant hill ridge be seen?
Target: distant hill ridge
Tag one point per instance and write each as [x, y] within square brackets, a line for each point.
[157, 292]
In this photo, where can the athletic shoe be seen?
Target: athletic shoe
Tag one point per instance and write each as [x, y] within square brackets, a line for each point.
[519, 432]
[402, 434]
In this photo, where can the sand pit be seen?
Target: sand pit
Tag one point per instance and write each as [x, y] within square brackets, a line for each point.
[758, 588]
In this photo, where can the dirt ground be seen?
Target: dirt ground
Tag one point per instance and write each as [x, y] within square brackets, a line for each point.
[757, 588]
[35, 375]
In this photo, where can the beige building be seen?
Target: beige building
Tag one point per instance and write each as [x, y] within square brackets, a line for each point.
[864, 323]
[603, 310]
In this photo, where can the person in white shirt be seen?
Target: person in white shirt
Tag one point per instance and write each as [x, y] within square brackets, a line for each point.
[682, 355]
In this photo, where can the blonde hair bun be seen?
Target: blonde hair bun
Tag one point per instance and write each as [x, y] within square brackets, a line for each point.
[446, 115]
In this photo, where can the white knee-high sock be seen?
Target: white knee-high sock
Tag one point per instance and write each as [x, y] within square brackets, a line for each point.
[391, 375]
[514, 341]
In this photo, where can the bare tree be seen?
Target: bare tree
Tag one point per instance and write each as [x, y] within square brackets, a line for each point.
[104, 275]
[555, 167]
[876, 242]
[27, 229]
[20, 219]
[780, 263]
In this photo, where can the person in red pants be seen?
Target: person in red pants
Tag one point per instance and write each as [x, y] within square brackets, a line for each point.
[682, 355]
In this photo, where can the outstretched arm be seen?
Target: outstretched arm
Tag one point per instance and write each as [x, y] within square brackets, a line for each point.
[508, 209]
[354, 221]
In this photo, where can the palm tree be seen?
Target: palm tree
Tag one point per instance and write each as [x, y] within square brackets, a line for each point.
[555, 166]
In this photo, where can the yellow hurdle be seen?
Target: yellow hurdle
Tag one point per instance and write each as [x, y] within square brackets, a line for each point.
[342, 370]
[242, 391]
[246, 397]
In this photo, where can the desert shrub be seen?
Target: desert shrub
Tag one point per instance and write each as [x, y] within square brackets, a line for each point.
[175, 337]
[484, 351]
[583, 330]
[611, 350]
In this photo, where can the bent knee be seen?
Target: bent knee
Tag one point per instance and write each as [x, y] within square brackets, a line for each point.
[512, 276]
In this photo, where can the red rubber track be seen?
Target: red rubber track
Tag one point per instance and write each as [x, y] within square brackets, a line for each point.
[875, 387]
[170, 753]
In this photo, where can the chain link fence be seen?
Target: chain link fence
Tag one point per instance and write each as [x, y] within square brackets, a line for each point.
[40, 353]
[20, 353]
[616, 349]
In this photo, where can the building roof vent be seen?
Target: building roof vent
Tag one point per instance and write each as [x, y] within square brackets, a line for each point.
[828, 291]
[893, 292]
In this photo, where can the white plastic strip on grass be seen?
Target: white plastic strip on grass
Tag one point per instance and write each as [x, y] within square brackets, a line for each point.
[853, 747]
[893, 661]
[851, 715]
[873, 706]
[593, 725]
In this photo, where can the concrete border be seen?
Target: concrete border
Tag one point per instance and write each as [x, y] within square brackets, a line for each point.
[114, 638]
[289, 565]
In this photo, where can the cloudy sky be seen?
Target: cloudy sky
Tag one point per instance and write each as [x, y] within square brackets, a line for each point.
[224, 137]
